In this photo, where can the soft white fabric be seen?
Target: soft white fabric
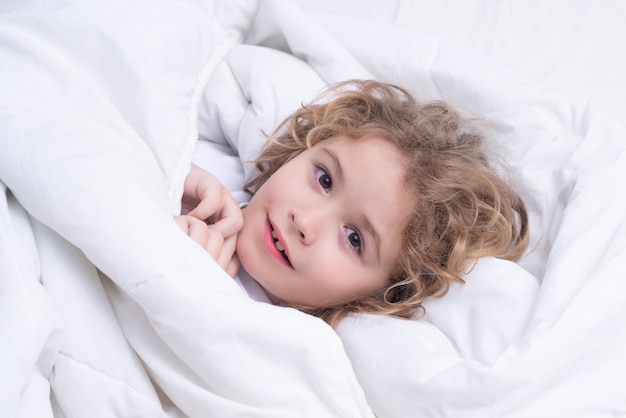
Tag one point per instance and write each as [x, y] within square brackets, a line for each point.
[571, 45]
[101, 106]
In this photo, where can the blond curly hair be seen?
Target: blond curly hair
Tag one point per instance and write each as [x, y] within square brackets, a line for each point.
[465, 208]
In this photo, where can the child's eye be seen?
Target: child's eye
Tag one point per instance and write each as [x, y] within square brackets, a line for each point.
[324, 179]
[354, 239]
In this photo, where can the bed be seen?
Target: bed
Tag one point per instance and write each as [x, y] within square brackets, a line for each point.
[108, 310]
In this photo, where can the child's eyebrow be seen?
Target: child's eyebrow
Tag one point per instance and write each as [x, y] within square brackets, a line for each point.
[367, 224]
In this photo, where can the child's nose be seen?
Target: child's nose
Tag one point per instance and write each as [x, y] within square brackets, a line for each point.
[308, 223]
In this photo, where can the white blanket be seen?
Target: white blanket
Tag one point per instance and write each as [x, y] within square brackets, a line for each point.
[107, 309]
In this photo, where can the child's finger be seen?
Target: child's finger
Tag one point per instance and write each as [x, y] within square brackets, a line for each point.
[182, 223]
[208, 205]
[227, 251]
[222, 211]
[233, 266]
[219, 248]
[231, 220]
[214, 244]
[197, 230]
[211, 199]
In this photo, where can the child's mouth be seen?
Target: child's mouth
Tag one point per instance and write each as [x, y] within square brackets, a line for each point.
[279, 246]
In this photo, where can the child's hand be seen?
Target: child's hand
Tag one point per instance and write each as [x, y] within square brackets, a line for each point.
[222, 250]
[207, 199]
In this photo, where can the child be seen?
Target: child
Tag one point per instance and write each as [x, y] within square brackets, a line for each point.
[367, 202]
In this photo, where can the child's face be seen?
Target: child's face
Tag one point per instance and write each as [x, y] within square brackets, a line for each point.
[338, 211]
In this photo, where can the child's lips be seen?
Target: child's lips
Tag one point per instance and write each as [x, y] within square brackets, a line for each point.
[275, 244]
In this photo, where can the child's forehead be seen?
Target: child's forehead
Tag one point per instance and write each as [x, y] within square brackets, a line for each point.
[370, 169]
[376, 150]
